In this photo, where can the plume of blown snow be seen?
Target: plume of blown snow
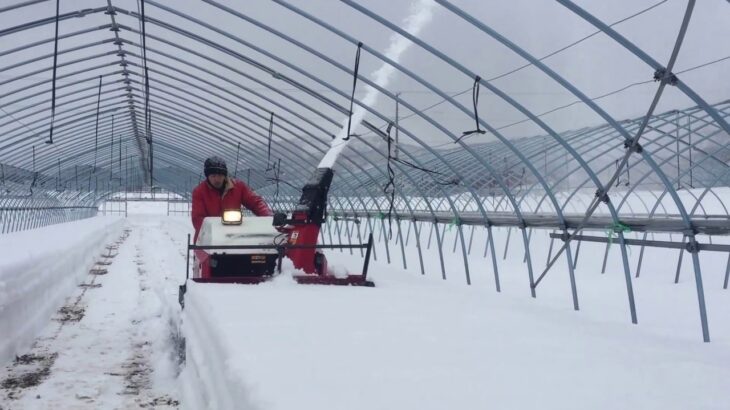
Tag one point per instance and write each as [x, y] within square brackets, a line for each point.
[421, 14]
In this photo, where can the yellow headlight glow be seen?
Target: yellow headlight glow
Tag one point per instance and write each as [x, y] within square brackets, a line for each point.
[232, 217]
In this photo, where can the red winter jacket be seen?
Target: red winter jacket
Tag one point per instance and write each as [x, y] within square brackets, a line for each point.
[208, 201]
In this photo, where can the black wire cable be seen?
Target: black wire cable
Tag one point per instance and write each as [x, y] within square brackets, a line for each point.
[55, 66]
[573, 44]
[96, 133]
[452, 181]
[389, 188]
[354, 86]
[475, 102]
[271, 133]
[111, 152]
[277, 170]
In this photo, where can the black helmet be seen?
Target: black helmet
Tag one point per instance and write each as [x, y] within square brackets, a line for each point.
[215, 165]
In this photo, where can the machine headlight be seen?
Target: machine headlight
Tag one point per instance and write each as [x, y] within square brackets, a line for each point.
[232, 217]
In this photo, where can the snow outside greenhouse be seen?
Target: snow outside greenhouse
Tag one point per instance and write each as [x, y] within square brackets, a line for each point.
[416, 204]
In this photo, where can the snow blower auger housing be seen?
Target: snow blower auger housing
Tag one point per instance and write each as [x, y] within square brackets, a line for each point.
[235, 249]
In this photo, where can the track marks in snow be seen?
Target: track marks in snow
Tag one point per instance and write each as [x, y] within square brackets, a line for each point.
[28, 370]
[102, 348]
[32, 369]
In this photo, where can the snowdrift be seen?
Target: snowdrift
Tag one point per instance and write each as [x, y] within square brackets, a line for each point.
[39, 269]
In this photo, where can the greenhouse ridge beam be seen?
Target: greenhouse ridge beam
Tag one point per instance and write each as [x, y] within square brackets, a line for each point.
[144, 153]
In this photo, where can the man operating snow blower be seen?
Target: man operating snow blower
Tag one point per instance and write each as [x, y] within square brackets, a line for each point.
[219, 192]
[231, 249]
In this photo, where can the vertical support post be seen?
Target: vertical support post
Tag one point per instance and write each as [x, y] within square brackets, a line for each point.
[641, 256]
[349, 234]
[486, 244]
[387, 247]
[420, 253]
[187, 260]
[490, 241]
[408, 232]
[571, 272]
[456, 239]
[329, 230]
[627, 276]
[506, 244]
[679, 262]
[700, 289]
[605, 258]
[359, 236]
[727, 271]
[529, 261]
[443, 233]
[321, 236]
[471, 239]
[367, 256]
[529, 239]
[430, 234]
[464, 254]
[370, 226]
[550, 250]
[441, 254]
[402, 247]
[577, 252]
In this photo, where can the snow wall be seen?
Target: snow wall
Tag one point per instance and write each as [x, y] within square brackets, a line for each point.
[39, 268]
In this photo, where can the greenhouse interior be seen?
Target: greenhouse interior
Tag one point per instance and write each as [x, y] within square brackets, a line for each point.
[527, 203]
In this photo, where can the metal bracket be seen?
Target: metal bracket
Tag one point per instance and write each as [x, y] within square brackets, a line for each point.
[602, 195]
[665, 76]
[693, 246]
[629, 144]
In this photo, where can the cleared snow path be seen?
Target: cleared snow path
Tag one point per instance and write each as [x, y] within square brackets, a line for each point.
[110, 346]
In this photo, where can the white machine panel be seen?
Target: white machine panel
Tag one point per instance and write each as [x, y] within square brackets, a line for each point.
[254, 230]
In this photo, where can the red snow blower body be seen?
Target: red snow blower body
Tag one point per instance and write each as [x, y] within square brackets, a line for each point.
[233, 249]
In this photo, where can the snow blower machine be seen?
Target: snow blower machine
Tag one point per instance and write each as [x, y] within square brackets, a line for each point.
[250, 250]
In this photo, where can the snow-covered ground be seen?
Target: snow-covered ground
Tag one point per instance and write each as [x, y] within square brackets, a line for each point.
[111, 344]
[422, 343]
[412, 342]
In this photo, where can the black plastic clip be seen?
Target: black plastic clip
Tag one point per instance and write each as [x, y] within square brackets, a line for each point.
[665, 76]
[629, 144]
[693, 246]
[603, 196]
